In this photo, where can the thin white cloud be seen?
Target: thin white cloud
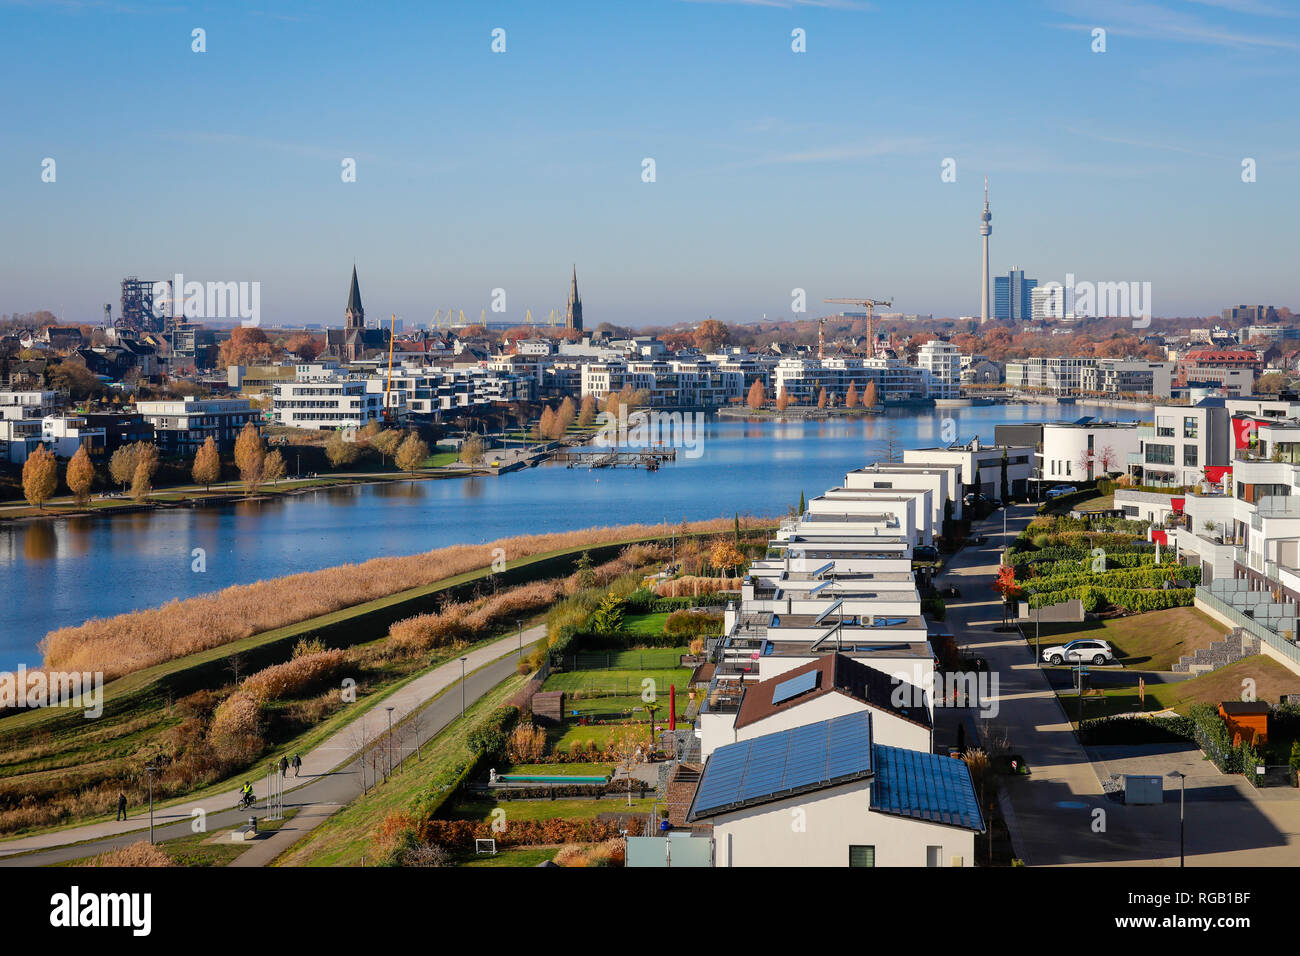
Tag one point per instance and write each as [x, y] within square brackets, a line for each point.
[1154, 22]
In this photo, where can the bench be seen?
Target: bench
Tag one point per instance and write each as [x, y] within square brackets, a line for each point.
[247, 832]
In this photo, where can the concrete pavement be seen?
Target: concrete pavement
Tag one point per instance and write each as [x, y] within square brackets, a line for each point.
[328, 775]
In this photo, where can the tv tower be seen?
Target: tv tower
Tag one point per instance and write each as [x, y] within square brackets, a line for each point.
[985, 230]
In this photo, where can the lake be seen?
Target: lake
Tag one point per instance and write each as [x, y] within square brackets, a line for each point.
[56, 573]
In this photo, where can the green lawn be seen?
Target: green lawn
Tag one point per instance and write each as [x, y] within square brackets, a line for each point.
[645, 623]
[1271, 679]
[563, 736]
[1152, 641]
[563, 769]
[575, 809]
[636, 659]
[622, 682]
[207, 849]
[514, 856]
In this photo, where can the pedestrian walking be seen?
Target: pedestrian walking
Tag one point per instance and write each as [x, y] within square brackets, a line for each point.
[284, 766]
[121, 805]
[297, 764]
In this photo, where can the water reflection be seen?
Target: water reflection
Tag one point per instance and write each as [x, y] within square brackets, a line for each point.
[40, 542]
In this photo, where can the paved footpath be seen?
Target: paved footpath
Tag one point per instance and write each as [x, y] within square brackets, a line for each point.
[329, 779]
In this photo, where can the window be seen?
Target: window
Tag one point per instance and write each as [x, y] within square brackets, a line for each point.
[1189, 455]
[1189, 427]
[1160, 454]
[862, 856]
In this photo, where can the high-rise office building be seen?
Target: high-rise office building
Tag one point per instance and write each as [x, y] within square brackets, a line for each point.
[1012, 295]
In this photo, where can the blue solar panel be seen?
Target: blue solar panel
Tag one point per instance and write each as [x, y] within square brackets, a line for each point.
[800, 759]
[794, 686]
[925, 786]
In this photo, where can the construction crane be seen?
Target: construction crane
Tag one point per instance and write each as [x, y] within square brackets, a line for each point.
[869, 305]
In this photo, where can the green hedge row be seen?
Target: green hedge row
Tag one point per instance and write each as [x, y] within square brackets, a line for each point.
[1126, 729]
[1113, 561]
[1127, 578]
[1065, 553]
[1096, 598]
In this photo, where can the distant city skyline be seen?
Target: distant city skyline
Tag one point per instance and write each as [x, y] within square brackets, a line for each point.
[774, 170]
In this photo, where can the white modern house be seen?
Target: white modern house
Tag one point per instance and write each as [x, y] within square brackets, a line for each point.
[827, 794]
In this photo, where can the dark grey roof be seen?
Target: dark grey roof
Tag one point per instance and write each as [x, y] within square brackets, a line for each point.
[354, 294]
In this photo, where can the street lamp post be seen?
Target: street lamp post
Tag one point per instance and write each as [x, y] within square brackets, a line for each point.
[462, 687]
[150, 770]
[1182, 825]
[389, 708]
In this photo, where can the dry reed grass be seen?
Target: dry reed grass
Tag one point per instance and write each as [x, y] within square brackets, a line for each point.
[129, 642]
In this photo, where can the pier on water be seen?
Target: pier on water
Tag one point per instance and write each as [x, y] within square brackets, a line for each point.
[648, 458]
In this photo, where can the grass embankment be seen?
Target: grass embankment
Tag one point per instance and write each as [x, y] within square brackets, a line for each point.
[1153, 641]
[482, 811]
[344, 838]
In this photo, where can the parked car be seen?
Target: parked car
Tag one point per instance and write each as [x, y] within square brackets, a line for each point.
[1084, 650]
[924, 552]
[1057, 490]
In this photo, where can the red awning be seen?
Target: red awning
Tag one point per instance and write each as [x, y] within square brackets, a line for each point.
[1214, 473]
[1177, 504]
[1159, 537]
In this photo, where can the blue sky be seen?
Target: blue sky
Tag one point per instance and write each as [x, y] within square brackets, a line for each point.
[775, 170]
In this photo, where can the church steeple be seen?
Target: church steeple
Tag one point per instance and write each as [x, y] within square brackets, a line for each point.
[573, 314]
[354, 315]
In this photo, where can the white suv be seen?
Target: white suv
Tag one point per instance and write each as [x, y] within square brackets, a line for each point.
[1086, 650]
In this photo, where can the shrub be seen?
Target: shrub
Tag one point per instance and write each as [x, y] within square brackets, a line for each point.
[295, 677]
[140, 853]
[238, 714]
[692, 623]
[527, 744]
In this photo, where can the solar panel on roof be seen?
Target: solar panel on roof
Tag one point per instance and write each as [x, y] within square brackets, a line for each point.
[794, 687]
[796, 760]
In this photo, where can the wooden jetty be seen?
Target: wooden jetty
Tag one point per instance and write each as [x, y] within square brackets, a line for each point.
[648, 458]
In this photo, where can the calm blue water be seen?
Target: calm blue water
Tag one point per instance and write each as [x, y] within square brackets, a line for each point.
[57, 573]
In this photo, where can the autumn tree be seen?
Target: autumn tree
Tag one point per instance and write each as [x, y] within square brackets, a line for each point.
[711, 335]
[207, 464]
[305, 346]
[782, 400]
[121, 467]
[80, 476]
[725, 555]
[587, 414]
[412, 452]
[246, 346]
[386, 443]
[273, 468]
[564, 417]
[851, 396]
[140, 481]
[757, 397]
[821, 397]
[40, 476]
[547, 426]
[869, 398]
[250, 457]
[340, 451]
[471, 450]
